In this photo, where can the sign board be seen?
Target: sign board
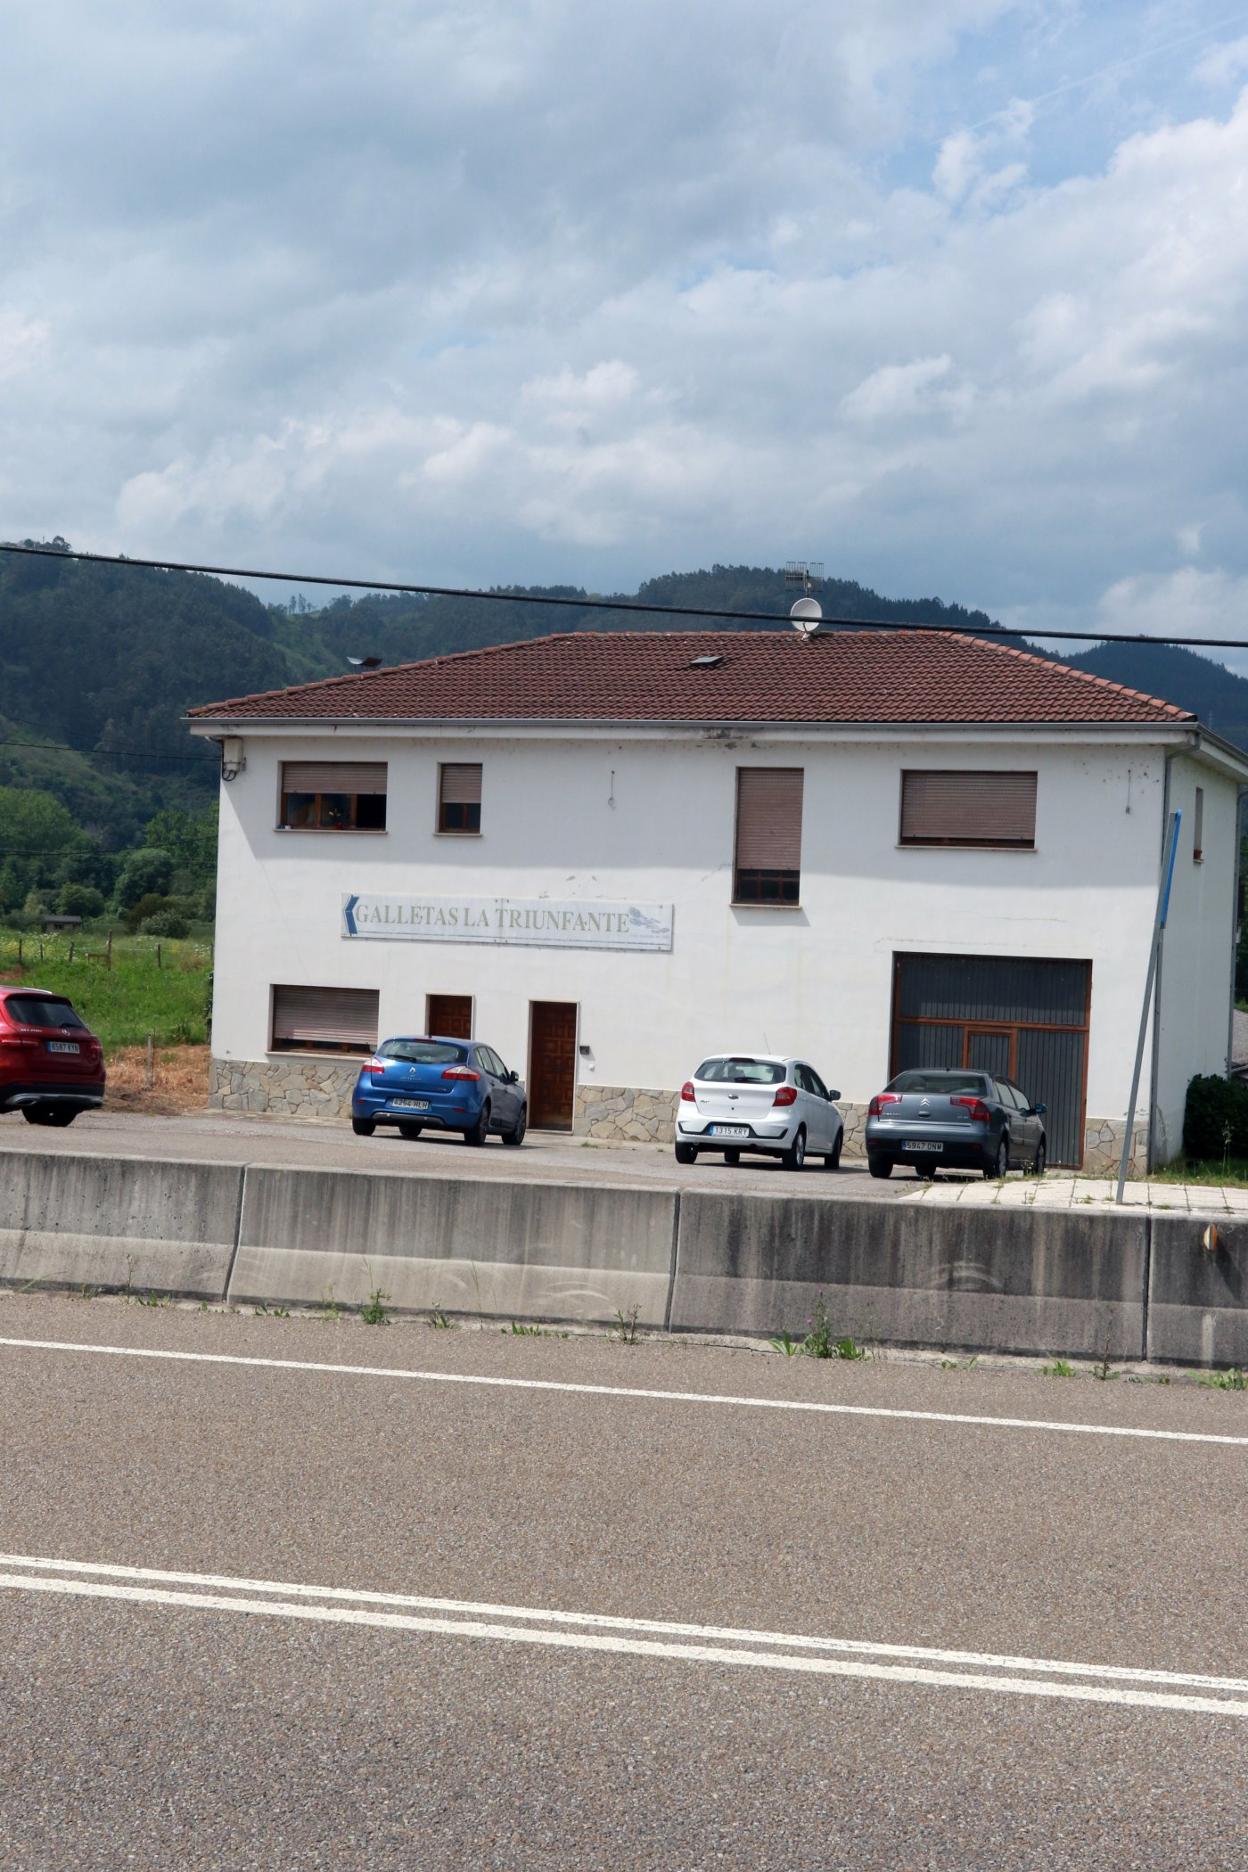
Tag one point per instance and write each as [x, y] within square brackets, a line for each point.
[527, 922]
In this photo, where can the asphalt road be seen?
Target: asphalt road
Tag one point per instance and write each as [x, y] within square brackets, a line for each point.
[217, 1137]
[589, 1641]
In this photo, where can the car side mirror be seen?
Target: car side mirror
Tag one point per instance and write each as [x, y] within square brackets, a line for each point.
[832, 1097]
[1040, 1110]
[513, 1077]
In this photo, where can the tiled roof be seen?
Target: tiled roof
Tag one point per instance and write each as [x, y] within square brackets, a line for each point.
[757, 676]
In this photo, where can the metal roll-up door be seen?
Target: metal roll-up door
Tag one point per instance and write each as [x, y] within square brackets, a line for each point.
[333, 776]
[461, 783]
[340, 1018]
[967, 808]
[1020, 1017]
[769, 818]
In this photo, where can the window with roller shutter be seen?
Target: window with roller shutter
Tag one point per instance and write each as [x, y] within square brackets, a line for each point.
[767, 866]
[324, 1020]
[944, 807]
[459, 796]
[333, 796]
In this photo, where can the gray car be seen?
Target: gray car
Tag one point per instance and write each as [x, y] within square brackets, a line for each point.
[931, 1118]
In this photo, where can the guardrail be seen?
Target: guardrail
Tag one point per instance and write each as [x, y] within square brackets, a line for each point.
[1130, 1285]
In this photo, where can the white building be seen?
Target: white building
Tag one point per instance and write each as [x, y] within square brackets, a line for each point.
[609, 854]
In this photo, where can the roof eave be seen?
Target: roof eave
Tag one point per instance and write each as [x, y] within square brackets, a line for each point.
[1162, 730]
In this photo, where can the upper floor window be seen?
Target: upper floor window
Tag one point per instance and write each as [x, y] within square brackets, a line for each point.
[333, 796]
[943, 807]
[324, 1020]
[768, 858]
[1198, 827]
[459, 796]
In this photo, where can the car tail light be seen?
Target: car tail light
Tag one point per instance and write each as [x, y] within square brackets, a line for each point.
[876, 1108]
[687, 1092]
[460, 1072]
[785, 1095]
[26, 1042]
[376, 1067]
[980, 1113]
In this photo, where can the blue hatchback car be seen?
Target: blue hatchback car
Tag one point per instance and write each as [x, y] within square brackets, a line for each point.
[440, 1085]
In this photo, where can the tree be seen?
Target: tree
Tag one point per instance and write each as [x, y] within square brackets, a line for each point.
[144, 873]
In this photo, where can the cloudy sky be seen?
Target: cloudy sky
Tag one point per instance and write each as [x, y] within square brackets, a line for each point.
[950, 296]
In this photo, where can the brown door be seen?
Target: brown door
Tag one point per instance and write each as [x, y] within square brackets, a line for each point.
[449, 1016]
[552, 1064]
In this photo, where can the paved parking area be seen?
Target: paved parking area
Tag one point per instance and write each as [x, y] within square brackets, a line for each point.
[219, 1137]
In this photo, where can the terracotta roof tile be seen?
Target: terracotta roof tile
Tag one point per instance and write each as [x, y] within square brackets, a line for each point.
[760, 676]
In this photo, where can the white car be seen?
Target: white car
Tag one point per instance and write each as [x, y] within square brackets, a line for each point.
[758, 1102]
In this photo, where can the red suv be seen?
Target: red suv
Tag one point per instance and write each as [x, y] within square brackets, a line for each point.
[51, 1064]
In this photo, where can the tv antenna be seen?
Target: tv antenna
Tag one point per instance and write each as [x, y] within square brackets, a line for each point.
[808, 573]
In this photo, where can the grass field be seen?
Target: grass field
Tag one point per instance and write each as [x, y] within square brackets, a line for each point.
[157, 987]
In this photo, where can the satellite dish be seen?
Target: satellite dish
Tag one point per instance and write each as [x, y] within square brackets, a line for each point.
[364, 662]
[805, 616]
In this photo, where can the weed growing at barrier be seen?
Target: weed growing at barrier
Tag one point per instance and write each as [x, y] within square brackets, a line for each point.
[818, 1341]
[270, 1312]
[626, 1325]
[787, 1344]
[847, 1348]
[375, 1311]
[518, 1330]
[954, 1364]
[1102, 1369]
[440, 1321]
[1236, 1379]
[329, 1309]
[150, 1299]
[1060, 1368]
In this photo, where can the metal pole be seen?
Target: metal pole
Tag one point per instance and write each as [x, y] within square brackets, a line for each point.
[1159, 924]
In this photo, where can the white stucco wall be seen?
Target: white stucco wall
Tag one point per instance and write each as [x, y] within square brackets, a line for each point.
[652, 820]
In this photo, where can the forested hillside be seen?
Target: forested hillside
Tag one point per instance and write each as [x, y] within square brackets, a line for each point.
[101, 661]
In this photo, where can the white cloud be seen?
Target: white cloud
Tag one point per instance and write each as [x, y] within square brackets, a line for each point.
[1186, 603]
[540, 291]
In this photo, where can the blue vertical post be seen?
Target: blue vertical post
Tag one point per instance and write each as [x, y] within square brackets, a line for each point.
[1159, 924]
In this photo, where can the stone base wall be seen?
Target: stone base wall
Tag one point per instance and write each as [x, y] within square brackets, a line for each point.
[625, 1114]
[298, 1087]
[1102, 1147]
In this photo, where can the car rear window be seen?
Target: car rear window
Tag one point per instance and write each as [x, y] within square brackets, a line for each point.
[41, 1011]
[421, 1052]
[947, 1082]
[741, 1070]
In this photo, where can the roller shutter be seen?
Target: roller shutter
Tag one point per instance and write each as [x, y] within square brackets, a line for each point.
[343, 1019]
[769, 818]
[333, 776]
[967, 808]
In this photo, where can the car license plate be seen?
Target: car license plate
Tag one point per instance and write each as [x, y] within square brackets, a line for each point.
[63, 1046]
[730, 1130]
[913, 1144]
[409, 1104]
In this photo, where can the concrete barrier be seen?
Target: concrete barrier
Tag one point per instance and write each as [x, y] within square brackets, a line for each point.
[117, 1223]
[526, 1250]
[996, 1279]
[1198, 1291]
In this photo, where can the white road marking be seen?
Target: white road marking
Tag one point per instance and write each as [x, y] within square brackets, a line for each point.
[631, 1646]
[604, 1621]
[635, 1391]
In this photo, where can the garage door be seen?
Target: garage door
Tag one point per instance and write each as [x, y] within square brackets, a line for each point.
[1022, 1019]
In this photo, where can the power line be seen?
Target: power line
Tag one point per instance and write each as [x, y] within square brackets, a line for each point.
[615, 604]
[69, 747]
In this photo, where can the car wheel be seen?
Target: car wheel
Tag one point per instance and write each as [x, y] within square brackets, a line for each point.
[363, 1127]
[833, 1159]
[795, 1157]
[880, 1166]
[410, 1131]
[516, 1134]
[926, 1172]
[732, 1157]
[480, 1131]
[998, 1169]
[1039, 1160]
[48, 1115]
[686, 1154]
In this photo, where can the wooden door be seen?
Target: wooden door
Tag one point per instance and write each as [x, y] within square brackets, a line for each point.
[449, 1016]
[552, 1064]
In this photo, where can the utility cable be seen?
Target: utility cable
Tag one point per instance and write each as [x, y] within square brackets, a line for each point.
[992, 631]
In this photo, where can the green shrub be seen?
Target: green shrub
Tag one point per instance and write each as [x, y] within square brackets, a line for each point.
[1214, 1107]
[165, 923]
[148, 906]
